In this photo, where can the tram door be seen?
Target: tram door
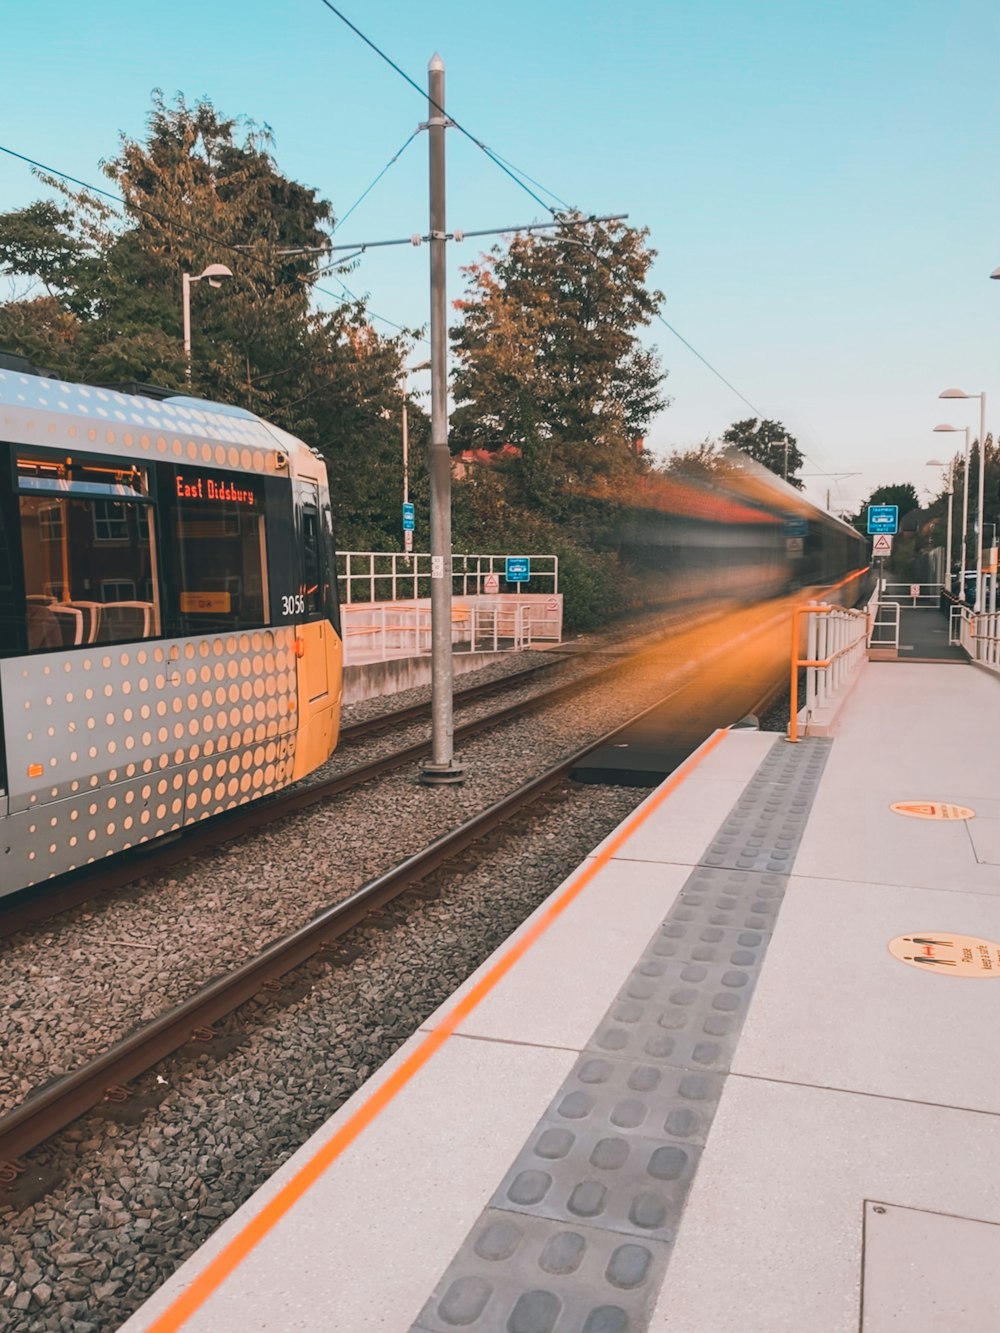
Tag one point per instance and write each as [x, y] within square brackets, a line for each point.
[319, 651]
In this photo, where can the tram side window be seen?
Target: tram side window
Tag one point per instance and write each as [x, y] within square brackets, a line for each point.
[311, 589]
[217, 551]
[87, 553]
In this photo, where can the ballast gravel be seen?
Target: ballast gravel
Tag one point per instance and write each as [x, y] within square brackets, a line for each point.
[137, 1199]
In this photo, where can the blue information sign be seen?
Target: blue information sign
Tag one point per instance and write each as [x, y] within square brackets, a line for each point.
[518, 569]
[407, 518]
[883, 518]
[796, 527]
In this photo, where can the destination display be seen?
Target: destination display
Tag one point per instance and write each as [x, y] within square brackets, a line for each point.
[212, 491]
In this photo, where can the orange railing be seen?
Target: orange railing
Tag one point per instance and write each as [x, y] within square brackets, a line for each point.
[836, 642]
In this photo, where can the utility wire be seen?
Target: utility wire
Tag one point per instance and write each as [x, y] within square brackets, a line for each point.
[440, 109]
[351, 299]
[117, 199]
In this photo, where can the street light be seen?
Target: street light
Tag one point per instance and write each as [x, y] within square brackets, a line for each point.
[965, 513]
[936, 462]
[214, 275]
[960, 393]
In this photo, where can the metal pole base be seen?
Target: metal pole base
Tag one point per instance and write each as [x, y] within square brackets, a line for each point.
[442, 775]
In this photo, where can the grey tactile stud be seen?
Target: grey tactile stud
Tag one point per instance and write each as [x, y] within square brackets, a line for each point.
[556, 1278]
[578, 1235]
[605, 1176]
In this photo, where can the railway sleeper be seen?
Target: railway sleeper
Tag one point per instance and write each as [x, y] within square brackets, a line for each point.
[23, 1182]
[128, 1104]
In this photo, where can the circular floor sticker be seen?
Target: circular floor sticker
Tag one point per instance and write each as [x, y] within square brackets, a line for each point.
[951, 955]
[932, 810]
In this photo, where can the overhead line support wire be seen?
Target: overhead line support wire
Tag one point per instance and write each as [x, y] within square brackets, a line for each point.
[364, 195]
[440, 109]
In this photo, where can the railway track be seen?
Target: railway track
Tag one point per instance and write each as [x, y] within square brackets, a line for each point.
[64, 1098]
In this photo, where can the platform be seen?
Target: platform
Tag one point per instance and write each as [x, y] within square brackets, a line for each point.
[695, 1093]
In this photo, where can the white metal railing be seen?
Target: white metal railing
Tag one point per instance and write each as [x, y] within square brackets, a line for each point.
[885, 626]
[986, 639]
[978, 634]
[392, 576]
[377, 631]
[836, 648]
[912, 595]
[959, 632]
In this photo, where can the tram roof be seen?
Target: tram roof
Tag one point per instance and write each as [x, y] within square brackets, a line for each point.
[55, 414]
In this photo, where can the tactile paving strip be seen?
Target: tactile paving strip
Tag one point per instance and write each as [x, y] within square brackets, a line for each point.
[578, 1235]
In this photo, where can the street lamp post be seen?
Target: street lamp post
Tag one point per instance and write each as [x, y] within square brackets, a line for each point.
[936, 462]
[965, 512]
[214, 275]
[959, 393]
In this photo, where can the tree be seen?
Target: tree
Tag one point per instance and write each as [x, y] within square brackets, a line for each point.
[550, 360]
[101, 299]
[769, 443]
[705, 460]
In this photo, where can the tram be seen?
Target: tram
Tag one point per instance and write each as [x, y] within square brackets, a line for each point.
[169, 635]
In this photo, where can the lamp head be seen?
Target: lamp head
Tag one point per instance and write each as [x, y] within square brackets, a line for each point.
[955, 393]
[215, 274]
[995, 273]
[946, 427]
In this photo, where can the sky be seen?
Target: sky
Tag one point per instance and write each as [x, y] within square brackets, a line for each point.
[821, 181]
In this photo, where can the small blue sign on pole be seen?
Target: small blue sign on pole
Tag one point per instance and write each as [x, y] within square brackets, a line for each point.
[407, 518]
[883, 518]
[518, 569]
[796, 527]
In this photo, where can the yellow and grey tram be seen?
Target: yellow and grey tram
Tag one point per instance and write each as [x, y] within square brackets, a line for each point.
[169, 634]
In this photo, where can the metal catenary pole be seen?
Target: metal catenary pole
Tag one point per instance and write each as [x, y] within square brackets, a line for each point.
[441, 768]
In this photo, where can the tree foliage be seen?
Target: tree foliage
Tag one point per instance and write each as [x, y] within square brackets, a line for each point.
[549, 358]
[102, 299]
[769, 443]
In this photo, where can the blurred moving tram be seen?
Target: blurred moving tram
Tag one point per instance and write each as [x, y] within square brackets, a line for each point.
[169, 633]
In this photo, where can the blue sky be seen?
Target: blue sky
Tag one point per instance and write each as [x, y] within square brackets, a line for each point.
[821, 181]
